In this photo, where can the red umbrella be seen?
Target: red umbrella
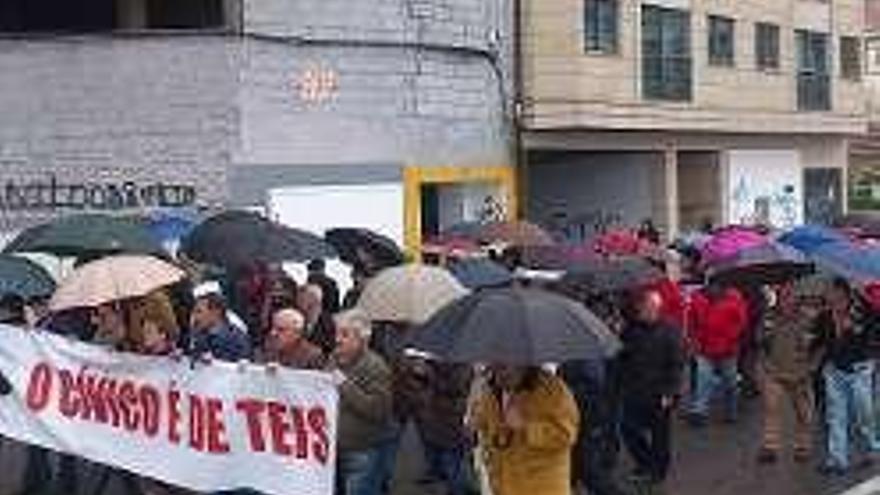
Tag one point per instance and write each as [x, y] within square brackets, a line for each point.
[620, 243]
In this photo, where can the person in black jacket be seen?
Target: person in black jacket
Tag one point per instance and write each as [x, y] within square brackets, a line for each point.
[318, 276]
[649, 374]
[593, 384]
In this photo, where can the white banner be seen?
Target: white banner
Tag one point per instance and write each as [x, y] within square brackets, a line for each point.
[203, 427]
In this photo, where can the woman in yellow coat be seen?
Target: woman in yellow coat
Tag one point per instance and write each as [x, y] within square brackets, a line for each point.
[527, 423]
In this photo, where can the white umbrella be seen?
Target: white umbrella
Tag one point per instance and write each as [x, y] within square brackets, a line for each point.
[112, 279]
[409, 293]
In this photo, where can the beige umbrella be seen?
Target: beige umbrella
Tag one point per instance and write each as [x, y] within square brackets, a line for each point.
[409, 293]
[112, 279]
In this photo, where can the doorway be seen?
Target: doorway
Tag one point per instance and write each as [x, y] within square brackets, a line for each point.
[699, 186]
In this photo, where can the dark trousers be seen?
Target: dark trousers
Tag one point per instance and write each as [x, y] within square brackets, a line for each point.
[646, 432]
[594, 457]
[450, 464]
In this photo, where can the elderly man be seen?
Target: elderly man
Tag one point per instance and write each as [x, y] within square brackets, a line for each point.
[287, 345]
[364, 406]
[212, 333]
[319, 324]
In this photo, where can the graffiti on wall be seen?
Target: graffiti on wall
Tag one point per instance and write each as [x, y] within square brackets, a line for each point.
[776, 205]
[49, 193]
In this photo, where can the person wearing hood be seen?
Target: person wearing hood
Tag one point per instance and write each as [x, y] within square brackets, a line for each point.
[527, 423]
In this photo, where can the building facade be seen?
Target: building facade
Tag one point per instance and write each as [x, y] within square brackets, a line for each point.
[864, 177]
[689, 111]
[124, 105]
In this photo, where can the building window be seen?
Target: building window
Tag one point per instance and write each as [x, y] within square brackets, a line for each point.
[57, 15]
[813, 79]
[600, 26]
[76, 16]
[767, 46]
[666, 54]
[187, 14]
[850, 58]
[872, 51]
[721, 40]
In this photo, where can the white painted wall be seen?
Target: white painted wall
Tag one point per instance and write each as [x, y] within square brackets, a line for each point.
[771, 177]
[378, 207]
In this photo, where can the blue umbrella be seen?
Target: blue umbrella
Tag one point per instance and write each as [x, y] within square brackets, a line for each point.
[22, 277]
[857, 263]
[480, 273]
[809, 238]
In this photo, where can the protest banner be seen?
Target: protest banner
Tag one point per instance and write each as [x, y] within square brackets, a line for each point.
[206, 427]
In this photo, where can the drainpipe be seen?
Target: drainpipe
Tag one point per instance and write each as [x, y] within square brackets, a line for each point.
[518, 153]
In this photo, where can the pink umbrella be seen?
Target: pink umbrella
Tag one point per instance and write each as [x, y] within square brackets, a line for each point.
[728, 242]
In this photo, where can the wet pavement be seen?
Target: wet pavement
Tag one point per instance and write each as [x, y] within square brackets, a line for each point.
[717, 460]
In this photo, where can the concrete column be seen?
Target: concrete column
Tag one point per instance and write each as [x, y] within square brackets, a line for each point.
[670, 186]
[844, 179]
[131, 14]
[724, 185]
[232, 15]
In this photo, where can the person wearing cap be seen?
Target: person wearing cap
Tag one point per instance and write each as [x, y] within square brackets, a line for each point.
[212, 334]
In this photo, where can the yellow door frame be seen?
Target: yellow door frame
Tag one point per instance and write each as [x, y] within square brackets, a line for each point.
[414, 177]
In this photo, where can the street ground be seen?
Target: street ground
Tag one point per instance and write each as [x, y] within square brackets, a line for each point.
[717, 460]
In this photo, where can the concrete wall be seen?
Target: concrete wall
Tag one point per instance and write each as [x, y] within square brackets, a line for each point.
[596, 184]
[103, 109]
[390, 105]
[418, 82]
[570, 88]
[468, 23]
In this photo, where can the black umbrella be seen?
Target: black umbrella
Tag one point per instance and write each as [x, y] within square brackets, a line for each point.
[606, 275]
[514, 326]
[765, 264]
[480, 273]
[238, 238]
[353, 244]
[86, 235]
[22, 277]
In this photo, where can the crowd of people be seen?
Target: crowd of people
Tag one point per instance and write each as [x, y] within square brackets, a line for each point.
[508, 430]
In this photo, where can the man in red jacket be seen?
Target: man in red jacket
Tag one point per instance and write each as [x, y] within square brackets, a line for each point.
[716, 323]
